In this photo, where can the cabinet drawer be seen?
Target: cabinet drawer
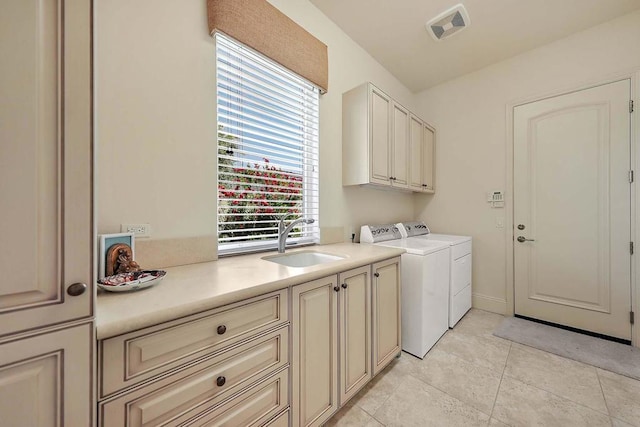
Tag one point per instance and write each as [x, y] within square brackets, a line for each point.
[458, 251]
[181, 396]
[131, 358]
[281, 420]
[252, 407]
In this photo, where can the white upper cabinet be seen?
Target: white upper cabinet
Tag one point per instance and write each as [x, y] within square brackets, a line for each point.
[399, 147]
[416, 148]
[45, 163]
[422, 155]
[428, 159]
[379, 142]
[380, 136]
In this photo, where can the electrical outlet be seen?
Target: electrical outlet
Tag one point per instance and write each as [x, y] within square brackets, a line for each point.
[352, 231]
[140, 230]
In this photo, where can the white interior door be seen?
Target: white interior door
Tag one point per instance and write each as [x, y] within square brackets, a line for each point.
[572, 202]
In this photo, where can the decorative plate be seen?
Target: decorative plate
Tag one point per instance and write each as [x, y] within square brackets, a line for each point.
[131, 281]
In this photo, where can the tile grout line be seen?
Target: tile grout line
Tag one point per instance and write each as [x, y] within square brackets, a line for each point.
[500, 384]
[604, 397]
[561, 397]
[451, 395]
[381, 405]
[586, 365]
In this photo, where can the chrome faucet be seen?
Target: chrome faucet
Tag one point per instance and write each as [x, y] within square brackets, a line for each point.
[283, 232]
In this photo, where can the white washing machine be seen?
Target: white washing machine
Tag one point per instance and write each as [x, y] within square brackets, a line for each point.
[425, 287]
[460, 266]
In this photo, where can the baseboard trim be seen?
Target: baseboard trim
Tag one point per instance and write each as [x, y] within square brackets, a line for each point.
[488, 303]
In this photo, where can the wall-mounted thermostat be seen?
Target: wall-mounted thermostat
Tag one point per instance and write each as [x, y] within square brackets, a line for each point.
[496, 198]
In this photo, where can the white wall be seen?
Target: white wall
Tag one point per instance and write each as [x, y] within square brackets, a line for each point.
[155, 119]
[469, 114]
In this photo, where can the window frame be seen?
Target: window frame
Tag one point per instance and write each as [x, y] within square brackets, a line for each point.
[308, 115]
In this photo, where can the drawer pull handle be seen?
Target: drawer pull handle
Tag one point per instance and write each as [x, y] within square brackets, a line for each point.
[344, 286]
[220, 381]
[222, 329]
[376, 274]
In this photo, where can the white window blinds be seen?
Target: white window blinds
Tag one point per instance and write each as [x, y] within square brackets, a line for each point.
[267, 150]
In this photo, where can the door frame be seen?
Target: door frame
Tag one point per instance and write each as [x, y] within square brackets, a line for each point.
[634, 77]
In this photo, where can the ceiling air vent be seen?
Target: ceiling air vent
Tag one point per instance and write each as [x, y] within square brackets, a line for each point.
[448, 23]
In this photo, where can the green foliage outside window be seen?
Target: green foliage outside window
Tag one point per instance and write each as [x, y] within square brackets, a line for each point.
[253, 196]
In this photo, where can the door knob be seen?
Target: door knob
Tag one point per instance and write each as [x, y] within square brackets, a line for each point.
[336, 288]
[344, 286]
[522, 239]
[76, 289]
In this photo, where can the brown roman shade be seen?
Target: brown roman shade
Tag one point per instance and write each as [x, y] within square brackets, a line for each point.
[259, 25]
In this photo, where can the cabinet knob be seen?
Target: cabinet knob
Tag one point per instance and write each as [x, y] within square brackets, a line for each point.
[336, 288]
[220, 381]
[76, 289]
[222, 329]
[376, 274]
[344, 286]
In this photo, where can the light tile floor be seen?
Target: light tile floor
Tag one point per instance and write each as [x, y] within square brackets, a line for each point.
[472, 378]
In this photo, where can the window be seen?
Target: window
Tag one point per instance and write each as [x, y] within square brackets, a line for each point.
[267, 150]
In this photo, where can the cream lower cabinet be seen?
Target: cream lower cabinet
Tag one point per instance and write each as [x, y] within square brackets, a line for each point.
[354, 329]
[44, 379]
[228, 366]
[315, 351]
[233, 365]
[332, 344]
[386, 312]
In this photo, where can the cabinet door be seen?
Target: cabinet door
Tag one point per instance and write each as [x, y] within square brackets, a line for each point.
[416, 144]
[386, 312]
[428, 157]
[355, 331]
[379, 135]
[45, 380]
[315, 351]
[400, 147]
[45, 162]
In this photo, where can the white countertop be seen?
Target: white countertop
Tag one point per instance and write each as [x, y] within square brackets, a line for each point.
[194, 288]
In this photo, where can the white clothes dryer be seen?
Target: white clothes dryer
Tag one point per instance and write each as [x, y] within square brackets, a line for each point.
[425, 288]
[460, 265]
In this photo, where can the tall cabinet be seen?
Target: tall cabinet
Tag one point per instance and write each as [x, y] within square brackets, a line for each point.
[46, 255]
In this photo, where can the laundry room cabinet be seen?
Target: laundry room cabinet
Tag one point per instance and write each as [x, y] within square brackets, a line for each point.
[354, 325]
[47, 227]
[315, 351]
[334, 337]
[422, 139]
[386, 318]
[380, 144]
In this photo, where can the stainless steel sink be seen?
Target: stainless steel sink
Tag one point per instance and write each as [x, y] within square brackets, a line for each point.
[303, 258]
